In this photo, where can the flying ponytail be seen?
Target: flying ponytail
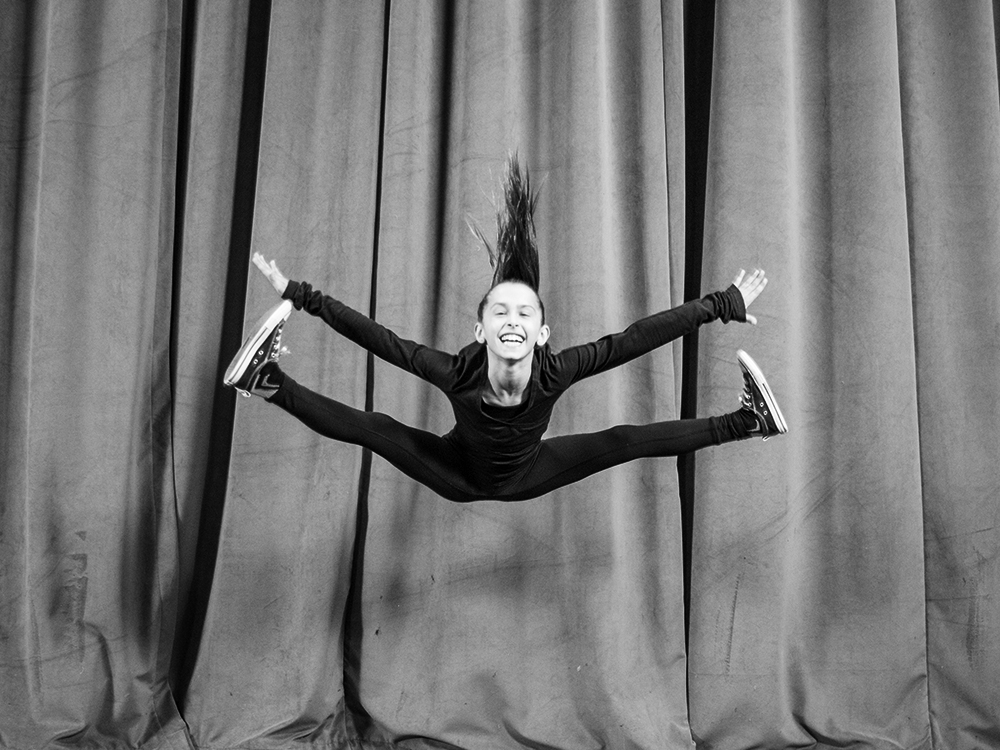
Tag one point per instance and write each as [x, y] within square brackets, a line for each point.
[515, 255]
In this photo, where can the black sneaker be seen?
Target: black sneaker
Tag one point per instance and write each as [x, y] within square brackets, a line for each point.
[263, 345]
[757, 397]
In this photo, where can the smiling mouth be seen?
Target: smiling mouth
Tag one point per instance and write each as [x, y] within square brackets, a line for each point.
[511, 338]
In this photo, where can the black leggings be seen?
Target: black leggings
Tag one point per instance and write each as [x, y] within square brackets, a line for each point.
[437, 463]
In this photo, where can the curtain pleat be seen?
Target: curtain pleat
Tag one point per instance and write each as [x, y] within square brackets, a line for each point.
[832, 126]
[89, 558]
[181, 568]
[201, 269]
[470, 606]
[269, 668]
[807, 593]
[951, 124]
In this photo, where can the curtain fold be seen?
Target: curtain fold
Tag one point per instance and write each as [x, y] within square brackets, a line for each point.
[545, 623]
[89, 558]
[842, 575]
[807, 593]
[951, 123]
[218, 37]
[312, 197]
[269, 669]
[835, 130]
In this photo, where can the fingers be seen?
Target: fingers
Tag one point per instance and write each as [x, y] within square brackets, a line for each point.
[268, 269]
[750, 287]
[756, 284]
[755, 278]
[753, 285]
[271, 272]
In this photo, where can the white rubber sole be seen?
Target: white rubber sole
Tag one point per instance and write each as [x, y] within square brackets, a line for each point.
[267, 323]
[772, 403]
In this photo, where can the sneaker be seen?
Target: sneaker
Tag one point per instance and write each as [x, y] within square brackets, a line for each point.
[757, 397]
[263, 345]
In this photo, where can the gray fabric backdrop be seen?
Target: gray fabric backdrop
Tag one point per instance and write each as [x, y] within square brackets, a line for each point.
[181, 570]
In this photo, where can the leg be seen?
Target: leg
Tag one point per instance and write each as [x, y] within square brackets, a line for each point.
[564, 460]
[423, 456]
[570, 458]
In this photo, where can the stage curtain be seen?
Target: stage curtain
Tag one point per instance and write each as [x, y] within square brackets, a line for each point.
[842, 575]
[556, 622]
[88, 525]
[184, 568]
[551, 623]
[267, 670]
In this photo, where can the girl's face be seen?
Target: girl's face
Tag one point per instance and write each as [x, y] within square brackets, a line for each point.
[511, 325]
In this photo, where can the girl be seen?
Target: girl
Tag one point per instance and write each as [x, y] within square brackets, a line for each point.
[503, 387]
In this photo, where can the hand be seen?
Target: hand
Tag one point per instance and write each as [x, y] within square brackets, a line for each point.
[750, 287]
[278, 280]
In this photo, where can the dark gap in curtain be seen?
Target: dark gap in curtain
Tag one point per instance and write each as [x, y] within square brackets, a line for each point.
[184, 114]
[996, 34]
[184, 102]
[443, 146]
[904, 111]
[996, 31]
[234, 308]
[446, 62]
[353, 622]
[10, 272]
[699, 46]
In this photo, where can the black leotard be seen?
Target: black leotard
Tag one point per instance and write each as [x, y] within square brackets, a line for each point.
[495, 451]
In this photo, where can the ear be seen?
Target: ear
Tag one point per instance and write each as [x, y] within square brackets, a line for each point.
[543, 336]
[480, 333]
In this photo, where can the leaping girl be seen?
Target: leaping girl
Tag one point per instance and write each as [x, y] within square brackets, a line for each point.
[503, 387]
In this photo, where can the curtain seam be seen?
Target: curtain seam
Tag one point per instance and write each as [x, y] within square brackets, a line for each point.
[34, 680]
[223, 416]
[181, 160]
[698, 65]
[916, 373]
[354, 710]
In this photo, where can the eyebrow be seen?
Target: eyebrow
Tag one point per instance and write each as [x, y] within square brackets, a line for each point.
[519, 307]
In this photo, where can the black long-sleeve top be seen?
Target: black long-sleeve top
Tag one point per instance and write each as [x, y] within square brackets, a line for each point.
[500, 442]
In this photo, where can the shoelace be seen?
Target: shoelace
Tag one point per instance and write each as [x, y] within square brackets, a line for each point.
[276, 343]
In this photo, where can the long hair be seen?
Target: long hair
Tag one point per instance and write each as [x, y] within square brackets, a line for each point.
[515, 255]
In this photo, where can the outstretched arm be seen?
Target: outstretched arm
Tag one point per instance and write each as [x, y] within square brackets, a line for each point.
[430, 364]
[656, 330]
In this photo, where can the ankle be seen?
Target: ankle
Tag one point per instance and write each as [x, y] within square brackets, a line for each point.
[268, 380]
[749, 420]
